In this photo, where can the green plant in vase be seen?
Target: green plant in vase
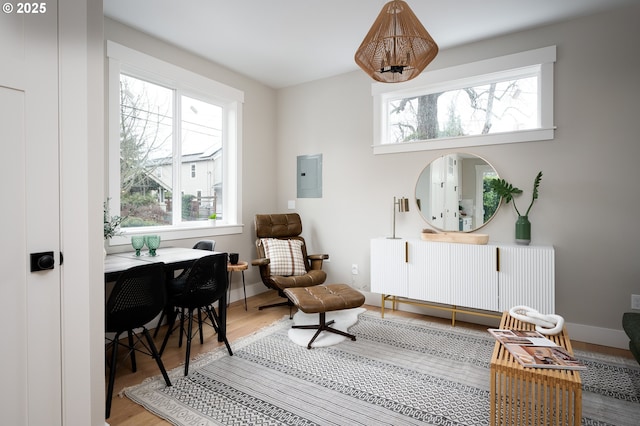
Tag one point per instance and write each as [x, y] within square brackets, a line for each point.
[111, 223]
[507, 191]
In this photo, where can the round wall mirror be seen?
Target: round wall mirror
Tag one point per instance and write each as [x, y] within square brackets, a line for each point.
[453, 194]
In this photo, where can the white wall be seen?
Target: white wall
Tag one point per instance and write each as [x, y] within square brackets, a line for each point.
[588, 196]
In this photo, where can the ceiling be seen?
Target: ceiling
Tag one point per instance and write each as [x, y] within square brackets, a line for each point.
[287, 42]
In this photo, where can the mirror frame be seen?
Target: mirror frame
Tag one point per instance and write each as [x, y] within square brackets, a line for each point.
[427, 167]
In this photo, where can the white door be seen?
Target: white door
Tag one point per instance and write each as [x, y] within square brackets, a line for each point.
[30, 315]
[451, 199]
[437, 193]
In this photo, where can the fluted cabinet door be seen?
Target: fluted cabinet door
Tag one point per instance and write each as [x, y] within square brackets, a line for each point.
[389, 266]
[429, 277]
[474, 276]
[527, 277]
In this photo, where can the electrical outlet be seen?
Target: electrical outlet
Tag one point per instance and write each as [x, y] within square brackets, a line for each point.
[635, 301]
[354, 269]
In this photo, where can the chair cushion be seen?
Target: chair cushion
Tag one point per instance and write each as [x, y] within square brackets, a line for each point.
[278, 225]
[313, 277]
[285, 256]
[325, 298]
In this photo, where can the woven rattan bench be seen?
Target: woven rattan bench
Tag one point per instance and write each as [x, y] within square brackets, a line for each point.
[322, 299]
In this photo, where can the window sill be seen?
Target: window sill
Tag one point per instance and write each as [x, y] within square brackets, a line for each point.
[179, 233]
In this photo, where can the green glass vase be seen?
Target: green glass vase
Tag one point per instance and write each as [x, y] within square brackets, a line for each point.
[523, 231]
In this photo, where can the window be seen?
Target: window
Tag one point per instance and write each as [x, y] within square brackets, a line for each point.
[500, 100]
[174, 144]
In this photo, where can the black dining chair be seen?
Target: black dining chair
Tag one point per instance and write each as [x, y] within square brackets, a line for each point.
[138, 296]
[197, 288]
[209, 245]
[205, 245]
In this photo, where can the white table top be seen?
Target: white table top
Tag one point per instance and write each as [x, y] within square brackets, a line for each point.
[118, 262]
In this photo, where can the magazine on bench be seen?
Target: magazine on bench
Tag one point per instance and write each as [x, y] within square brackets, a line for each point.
[532, 349]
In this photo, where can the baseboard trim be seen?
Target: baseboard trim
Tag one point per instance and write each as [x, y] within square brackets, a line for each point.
[598, 335]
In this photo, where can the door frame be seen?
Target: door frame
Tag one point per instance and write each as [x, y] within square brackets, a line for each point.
[82, 154]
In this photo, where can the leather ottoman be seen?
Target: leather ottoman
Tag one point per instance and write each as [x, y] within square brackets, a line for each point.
[321, 299]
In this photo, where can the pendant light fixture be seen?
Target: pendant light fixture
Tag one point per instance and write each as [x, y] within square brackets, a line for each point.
[397, 47]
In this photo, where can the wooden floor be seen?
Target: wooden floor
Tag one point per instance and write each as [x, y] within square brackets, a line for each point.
[239, 323]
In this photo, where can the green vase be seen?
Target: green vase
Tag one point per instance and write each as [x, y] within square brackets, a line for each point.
[523, 231]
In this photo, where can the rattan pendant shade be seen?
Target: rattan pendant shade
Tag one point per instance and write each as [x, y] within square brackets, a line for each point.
[397, 47]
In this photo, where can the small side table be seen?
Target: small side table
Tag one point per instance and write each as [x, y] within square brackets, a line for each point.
[240, 266]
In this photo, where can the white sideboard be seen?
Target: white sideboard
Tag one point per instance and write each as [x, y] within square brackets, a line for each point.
[477, 279]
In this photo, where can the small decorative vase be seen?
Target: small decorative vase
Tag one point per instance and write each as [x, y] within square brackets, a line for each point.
[523, 231]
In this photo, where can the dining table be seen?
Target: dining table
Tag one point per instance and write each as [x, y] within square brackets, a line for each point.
[174, 259]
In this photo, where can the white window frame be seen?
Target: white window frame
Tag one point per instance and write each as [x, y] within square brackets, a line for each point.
[122, 59]
[538, 60]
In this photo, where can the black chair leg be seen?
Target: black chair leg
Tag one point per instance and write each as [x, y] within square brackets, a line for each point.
[200, 325]
[214, 324]
[181, 327]
[215, 320]
[189, 331]
[323, 325]
[132, 352]
[114, 361]
[156, 356]
[209, 311]
[112, 375]
[172, 321]
[162, 315]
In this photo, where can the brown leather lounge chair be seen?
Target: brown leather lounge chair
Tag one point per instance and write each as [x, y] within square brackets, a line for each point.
[282, 255]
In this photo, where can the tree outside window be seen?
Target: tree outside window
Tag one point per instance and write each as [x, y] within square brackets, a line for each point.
[165, 136]
[498, 106]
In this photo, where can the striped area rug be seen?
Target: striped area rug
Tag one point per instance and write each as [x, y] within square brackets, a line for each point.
[398, 372]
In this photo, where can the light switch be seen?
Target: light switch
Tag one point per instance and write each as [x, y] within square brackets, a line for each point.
[291, 204]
